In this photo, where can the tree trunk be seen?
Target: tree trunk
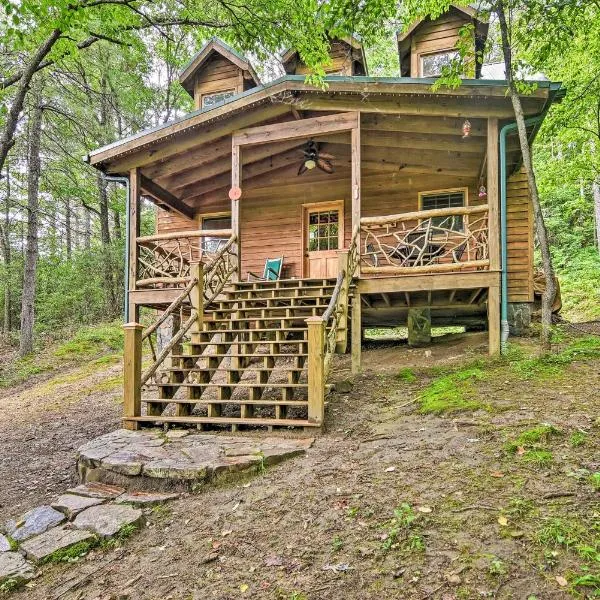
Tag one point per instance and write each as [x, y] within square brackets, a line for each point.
[68, 233]
[109, 284]
[596, 193]
[540, 225]
[31, 253]
[118, 233]
[6, 253]
[87, 228]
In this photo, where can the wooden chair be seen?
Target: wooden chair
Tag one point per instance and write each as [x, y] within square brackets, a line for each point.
[272, 272]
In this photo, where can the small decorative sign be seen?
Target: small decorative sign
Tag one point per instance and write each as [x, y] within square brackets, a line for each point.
[235, 193]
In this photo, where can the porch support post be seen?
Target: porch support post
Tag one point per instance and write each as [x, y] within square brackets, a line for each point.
[342, 332]
[236, 181]
[494, 235]
[356, 162]
[356, 333]
[316, 369]
[132, 374]
[492, 194]
[133, 233]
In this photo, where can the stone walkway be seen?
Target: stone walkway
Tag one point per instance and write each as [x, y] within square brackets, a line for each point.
[122, 474]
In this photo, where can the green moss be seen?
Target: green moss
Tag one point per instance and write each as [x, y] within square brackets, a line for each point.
[532, 437]
[452, 393]
[595, 480]
[72, 553]
[578, 439]
[540, 458]
[92, 340]
[119, 538]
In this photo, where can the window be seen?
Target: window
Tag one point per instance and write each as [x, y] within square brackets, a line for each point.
[209, 100]
[432, 64]
[210, 245]
[323, 230]
[449, 199]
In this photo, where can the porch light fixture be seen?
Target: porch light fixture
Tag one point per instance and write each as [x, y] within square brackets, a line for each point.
[466, 128]
[482, 192]
[310, 163]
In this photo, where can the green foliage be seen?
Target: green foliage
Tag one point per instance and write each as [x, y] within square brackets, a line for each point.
[337, 544]
[452, 393]
[407, 375]
[92, 341]
[532, 437]
[595, 480]
[578, 438]
[399, 527]
[538, 457]
[72, 553]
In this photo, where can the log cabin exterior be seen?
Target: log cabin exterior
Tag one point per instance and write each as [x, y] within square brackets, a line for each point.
[402, 225]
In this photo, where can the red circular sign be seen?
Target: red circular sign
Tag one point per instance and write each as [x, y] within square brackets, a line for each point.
[235, 193]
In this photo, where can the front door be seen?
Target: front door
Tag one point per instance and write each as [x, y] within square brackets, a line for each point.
[323, 237]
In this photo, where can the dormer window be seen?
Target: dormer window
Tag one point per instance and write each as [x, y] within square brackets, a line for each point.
[431, 65]
[209, 100]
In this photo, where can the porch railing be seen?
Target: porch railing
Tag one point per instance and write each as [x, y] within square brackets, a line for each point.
[427, 241]
[328, 333]
[164, 260]
[203, 283]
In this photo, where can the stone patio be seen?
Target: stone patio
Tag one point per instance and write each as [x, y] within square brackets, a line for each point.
[178, 460]
[123, 474]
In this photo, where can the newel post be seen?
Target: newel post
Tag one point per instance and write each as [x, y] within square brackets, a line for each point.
[316, 369]
[342, 333]
[132, 374]
[197, 294]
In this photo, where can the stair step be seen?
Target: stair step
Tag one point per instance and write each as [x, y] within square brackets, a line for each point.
[236, 402]
[226, 421]
[245, 355]
[252, 367]
[258, 330]
[239, 384]
[271, 299]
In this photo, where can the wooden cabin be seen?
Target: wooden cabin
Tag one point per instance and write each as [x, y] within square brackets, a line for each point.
[376, 201]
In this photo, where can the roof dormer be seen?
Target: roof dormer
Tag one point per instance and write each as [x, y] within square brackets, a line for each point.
[347, 58]
[216, 73]
[428, 45]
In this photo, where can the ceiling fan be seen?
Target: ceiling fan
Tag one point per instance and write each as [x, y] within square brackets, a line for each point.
[313, 157]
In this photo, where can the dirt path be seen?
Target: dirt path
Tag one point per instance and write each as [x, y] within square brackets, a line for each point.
[389, 503]
[41, 427]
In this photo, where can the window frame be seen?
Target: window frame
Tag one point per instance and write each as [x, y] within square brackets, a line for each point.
[423, 55]
[231, 91]
[463, 190]
[206, 217]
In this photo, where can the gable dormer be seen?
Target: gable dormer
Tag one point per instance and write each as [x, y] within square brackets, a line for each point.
[216, 73]
[428, 44]
[347, 57]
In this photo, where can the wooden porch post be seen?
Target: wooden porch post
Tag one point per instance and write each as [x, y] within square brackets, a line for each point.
[356, 333]
[197, 294]
[316, 369]
[236, 180]
[494, 234]
[356, 162]
[132, 374]
[133, 233]
[342, 333]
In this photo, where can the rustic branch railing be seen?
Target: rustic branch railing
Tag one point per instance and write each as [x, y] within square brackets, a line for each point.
[164, 259]
[218, 272]
[327, 334]
[427, 241]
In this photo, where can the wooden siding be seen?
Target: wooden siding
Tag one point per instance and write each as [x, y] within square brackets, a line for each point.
[342, 61]
[520, 239]
[217, 75]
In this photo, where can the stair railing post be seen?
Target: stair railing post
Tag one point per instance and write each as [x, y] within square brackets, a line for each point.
[197, 294]
[132, 374]
[316, 369]
[342, 332]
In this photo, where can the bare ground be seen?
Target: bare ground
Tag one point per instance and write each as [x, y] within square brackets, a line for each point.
[482, 522]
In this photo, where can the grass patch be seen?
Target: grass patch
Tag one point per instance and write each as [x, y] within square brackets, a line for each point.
[594, 479]
[537, 457]
[578, 439]
[452, 393]
[532, 438]
[108, 384]
[72, 553]
[407, 375]
[119, 538]
[399, 531]
[92, 340]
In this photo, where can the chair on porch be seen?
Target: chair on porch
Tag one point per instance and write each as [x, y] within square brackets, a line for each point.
[272, 271]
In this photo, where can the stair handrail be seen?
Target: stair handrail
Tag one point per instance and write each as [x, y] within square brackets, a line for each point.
[218, 272]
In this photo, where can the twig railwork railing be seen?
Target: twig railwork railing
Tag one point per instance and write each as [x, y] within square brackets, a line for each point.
[427, 241]
[328, 333]
[164, 259]
[203, 283]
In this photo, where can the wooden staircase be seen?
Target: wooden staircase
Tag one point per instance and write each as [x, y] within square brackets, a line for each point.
[247, 364]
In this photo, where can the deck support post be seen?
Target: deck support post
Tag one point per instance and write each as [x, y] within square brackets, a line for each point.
[341, 345]
[419, 326]
[356, 333]
[197, 294]
[493, 310]
[132, 374]
[133, 232]
[316, 369]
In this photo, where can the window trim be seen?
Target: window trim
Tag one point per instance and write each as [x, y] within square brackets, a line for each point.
[216, 93]
[464, 190]
[422, 55]
[213, 215]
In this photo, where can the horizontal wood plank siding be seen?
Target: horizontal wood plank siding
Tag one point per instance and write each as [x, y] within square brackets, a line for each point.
[217, 75]
[519, 239]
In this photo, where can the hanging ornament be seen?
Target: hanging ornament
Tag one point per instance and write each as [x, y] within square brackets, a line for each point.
[482, 192]
[466, 128]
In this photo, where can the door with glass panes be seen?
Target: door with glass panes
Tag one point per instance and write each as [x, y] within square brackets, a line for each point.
[323, 237]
